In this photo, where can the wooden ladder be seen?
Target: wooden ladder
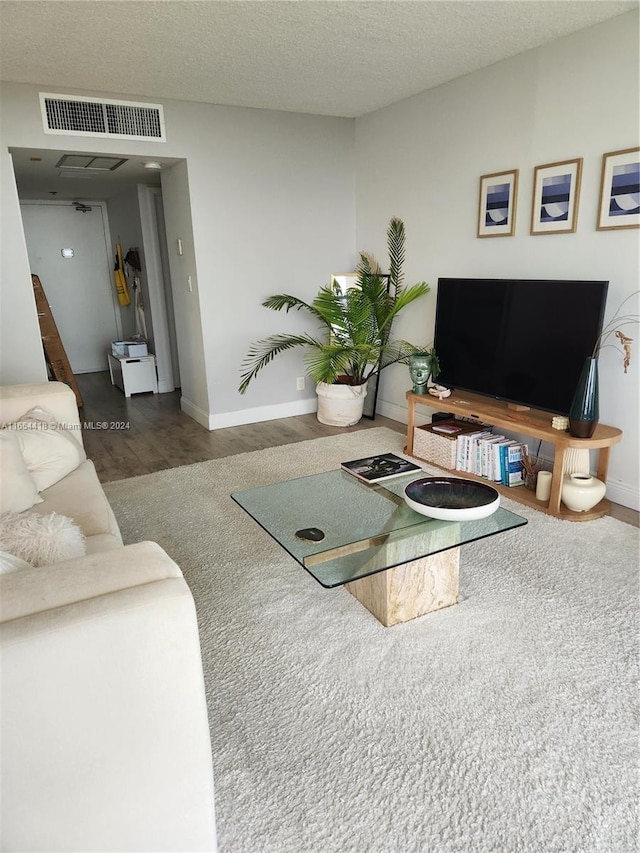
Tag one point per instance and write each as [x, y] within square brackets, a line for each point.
[54, 351]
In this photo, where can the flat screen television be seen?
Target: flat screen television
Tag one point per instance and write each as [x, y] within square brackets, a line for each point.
[519, 340]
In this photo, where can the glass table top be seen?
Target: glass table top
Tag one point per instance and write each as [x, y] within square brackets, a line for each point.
[365, 529]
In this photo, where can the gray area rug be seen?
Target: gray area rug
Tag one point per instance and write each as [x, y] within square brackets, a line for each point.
[506, 723]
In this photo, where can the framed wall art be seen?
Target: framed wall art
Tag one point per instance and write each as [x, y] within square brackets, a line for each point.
[498, 199]
[556, 193]
[620, 190]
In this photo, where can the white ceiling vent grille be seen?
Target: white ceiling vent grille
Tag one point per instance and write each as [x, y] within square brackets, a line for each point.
[89, 117]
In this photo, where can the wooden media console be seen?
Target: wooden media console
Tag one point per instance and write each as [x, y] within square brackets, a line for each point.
[528, 422]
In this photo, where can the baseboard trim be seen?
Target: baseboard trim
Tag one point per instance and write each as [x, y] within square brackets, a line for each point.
[199, 415]
[623, 494]
[262, 413]
[165, 386]
[393, 411]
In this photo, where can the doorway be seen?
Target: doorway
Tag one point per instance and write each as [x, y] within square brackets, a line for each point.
[68, 249]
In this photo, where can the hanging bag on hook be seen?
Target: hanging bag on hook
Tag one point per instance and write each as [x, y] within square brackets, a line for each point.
[122, 288]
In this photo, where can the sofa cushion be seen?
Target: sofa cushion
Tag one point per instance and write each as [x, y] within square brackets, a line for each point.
[83, 579]
[102, 542]
[41, 539]
[80, 496]
[10, 563]
[56, 397]
[18, 490]
[48, 448]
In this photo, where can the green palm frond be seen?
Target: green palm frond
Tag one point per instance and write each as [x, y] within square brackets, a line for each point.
[263, 352]
[356, 323]
[395, 246]
[288, 302]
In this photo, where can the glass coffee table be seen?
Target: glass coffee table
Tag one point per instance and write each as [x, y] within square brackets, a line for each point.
[398, 563]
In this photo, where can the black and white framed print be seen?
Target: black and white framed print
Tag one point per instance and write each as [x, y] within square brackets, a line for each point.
[620, 190]
[556, 194]
[498, 199]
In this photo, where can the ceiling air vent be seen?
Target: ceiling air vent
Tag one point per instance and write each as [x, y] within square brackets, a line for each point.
[89, 117]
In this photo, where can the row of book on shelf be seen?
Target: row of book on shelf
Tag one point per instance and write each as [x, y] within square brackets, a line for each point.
[495, 457]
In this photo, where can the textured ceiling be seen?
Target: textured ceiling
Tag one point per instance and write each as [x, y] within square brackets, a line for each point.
[329, 57]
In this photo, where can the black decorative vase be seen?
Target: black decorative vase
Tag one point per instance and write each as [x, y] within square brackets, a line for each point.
[584, 412]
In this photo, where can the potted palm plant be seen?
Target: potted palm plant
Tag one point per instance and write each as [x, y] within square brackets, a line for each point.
[354, 342]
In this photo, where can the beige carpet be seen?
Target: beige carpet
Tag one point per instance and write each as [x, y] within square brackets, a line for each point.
[506, 723]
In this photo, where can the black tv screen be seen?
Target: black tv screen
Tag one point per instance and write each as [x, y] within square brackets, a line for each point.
[519, 340]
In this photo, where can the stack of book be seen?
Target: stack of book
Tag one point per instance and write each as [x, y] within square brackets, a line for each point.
[492, 456]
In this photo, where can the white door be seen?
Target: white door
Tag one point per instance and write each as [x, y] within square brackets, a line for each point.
[68, 252]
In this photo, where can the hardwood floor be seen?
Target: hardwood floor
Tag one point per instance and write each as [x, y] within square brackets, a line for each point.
[155, 434]
[158, 435]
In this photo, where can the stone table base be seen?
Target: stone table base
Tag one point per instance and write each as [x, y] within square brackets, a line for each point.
[410, 589]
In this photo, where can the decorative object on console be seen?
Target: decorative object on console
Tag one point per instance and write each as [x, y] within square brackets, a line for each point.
[560, 422]
[422, 366]
[434, 445]
[611, 328]
[619, 190]
[532, 467]
[440, 391]
[626, 347]
[581, 492]
[584, 411]
[556, 192]
[356, 326]
[451, 498]
[576, 461]
[583, 415]
[543, 485]
[498, 200]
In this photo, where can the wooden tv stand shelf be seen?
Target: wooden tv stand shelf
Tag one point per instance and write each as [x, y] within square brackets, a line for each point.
[528, 422]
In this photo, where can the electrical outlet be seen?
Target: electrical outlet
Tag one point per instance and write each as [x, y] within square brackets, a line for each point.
[300, 383]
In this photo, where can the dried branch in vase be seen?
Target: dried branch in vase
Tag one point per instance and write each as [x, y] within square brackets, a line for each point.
[610, 329]
[626, 346]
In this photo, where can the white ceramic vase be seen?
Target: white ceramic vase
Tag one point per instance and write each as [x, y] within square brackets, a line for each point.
[340, 405]
[581, 492]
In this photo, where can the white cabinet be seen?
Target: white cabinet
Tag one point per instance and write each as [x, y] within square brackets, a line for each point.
[134, 375]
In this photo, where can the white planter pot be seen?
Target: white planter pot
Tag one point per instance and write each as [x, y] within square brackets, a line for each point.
[581, 492]
[340, 405]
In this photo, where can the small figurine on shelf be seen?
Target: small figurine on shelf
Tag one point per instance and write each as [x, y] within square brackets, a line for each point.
[422, 366]
[440, 391]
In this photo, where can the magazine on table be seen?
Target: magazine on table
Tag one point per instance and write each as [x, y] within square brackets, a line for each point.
[383, 466]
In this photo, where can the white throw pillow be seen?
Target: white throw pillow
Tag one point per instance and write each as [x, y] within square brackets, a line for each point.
[18, 490]
[10, 563]
[48, 448]
[41, 539]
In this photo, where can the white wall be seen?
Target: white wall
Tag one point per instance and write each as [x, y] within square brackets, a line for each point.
[186, 300]
[21, 353]
[421, 160]
[272, 201]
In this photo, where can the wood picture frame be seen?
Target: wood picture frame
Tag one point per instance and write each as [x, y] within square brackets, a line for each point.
[556, 197]
[619, 205]
[498, 204]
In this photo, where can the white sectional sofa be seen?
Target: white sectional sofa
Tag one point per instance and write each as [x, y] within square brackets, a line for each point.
[105, 735]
